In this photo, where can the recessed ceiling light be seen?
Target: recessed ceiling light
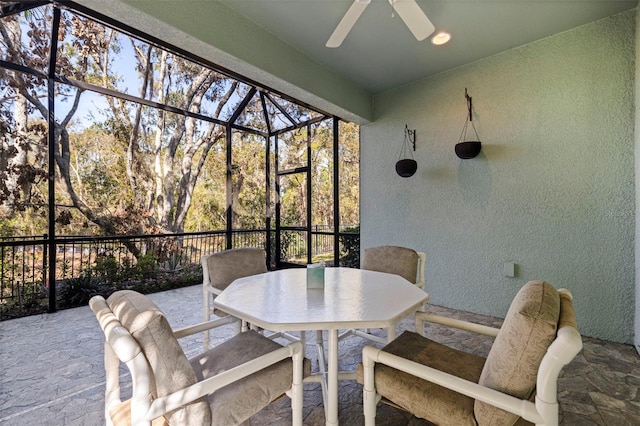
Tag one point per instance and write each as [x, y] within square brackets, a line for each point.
[441, 38]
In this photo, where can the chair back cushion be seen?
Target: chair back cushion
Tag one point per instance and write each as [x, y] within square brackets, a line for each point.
[513, 361]
[171, 368]
[226, 266]
[393, 260]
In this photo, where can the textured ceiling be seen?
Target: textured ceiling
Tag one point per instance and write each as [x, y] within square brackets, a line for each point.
[380, 53]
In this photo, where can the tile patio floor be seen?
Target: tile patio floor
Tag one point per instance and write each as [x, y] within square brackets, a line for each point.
[51, 371]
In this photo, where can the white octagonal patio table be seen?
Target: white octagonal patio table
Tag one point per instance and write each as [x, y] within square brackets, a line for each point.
[351, 298]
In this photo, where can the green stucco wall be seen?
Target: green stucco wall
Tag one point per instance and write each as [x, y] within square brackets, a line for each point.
[553, 189]
[637, 181]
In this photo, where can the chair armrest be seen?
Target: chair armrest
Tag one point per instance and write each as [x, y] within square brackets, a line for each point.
[211, 289]
[177, 399]
[422, 317]
[521, 407]
[422, 257]
[208, 325]
[562, 351]
[117, 337]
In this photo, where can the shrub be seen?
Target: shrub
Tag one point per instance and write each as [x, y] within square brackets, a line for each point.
[350, 247]
[77, 291]
[108, 276]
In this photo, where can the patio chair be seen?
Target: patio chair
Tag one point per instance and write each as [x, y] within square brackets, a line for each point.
[221, 269]
[517, 382]
[223, 386]
[406, 262]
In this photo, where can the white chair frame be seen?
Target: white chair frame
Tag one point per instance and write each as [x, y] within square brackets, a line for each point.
[422, 260]
[120, 346]
[544, 411]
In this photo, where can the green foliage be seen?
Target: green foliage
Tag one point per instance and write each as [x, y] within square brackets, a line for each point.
[6, 227]
[22, 291]
[32, 298]
[350, 247]
[106, 268]
[78, 291]
[287, 239]
[146, 266]
[108, 276]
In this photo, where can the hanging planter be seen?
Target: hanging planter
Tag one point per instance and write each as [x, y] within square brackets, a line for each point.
[468, 149]
[406, 167]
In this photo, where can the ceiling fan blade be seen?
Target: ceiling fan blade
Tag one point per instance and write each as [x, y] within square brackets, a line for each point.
[347, 22]
[414, 18]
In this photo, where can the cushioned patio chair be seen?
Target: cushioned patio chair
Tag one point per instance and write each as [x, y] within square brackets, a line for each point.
[403, 261]
[221, 269]
[223, 386]
[517, 382]
[406, 262]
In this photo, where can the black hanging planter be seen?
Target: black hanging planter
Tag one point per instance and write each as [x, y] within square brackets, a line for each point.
[406, 167]
[468, 149]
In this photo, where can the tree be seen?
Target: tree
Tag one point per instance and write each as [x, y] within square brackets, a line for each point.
[164, 152]
[349, 169]
[127, 167]
[23, 142]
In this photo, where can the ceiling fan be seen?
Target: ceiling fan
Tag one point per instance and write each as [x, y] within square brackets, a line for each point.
[409, 12]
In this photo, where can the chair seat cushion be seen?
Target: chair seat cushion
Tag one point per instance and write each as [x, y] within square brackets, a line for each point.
[235, 403]
[422, 398]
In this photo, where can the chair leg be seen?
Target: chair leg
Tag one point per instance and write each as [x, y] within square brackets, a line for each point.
[320, 351]
[112, 378]
[369, 396]
[548, 410]
[206, 316]
[297, 391]
[303, 340]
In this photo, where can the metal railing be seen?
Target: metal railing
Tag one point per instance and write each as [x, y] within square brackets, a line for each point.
[77, 255]
[23, 265]
[23, 260]
[294, 244]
